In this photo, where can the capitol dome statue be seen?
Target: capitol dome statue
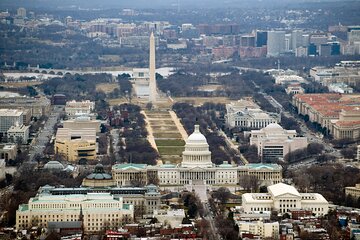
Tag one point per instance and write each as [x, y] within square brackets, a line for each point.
[196, 152]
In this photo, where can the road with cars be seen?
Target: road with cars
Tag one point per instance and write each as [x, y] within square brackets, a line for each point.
[45, 134]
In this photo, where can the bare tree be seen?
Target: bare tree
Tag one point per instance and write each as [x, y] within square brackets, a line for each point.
[249, 182]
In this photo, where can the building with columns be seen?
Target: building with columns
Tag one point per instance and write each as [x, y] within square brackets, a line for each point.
[246, 114]
[196, 168]
[284, 198]
[75, 109]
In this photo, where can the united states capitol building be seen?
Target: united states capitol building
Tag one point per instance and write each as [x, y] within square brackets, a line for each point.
[196, 168]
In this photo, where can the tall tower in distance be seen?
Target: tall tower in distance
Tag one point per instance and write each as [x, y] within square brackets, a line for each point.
[152, 81]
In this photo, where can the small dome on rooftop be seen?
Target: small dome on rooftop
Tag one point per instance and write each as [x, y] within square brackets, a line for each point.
[52, 165]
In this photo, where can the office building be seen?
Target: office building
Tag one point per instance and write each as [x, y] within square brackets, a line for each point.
[38, 106]
[76, 145]
[353, 34]
[21, 12]
[274, 142]
[275, 43]
[261, 38]
[337, 114]
[260, 228]
[81, 123]
[353, 191]
[95, 211]
[18, 133]
[247, 41]
[9, 118]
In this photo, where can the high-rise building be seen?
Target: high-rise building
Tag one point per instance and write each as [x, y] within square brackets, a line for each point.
[312, 50]
[247, 41]
[275, 43]
[21, 12]
[261, 38]
[353, 34]
[325, 49]
[318, 39]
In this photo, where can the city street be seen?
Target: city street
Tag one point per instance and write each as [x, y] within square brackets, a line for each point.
[210, 217]
[44, 135]
[311, 136]
[115, 137]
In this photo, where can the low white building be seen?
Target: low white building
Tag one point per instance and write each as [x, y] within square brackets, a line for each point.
[18, 133]
[173, 217]
[75, 109]
[8, 151]
[288, 79]
[140, 77]
[284, 198]
[274, 142]
[294, 89]
[260, 228]
[246, 114]
[340, 88]
[81, 123]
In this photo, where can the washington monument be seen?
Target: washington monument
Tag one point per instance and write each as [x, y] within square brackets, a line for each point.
[152, 81]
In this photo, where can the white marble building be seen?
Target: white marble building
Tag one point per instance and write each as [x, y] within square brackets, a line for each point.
[247, 114]
[196, 169]
[284, 198]
[75, 109]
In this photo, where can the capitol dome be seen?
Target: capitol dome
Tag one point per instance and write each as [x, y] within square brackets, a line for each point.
[196, 152]
[196, 136]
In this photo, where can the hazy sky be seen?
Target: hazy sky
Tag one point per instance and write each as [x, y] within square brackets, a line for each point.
[185, 4]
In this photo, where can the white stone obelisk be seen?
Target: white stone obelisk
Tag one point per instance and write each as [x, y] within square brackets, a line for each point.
[152, 81]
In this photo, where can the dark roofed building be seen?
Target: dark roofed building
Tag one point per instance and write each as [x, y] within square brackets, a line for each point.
[99, 178]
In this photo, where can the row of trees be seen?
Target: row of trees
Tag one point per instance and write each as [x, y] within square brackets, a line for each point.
[26, 184]
[206, 117]
[135, 148]
[329, 179]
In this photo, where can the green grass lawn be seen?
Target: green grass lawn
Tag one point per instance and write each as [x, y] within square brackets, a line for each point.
[174, 135]
[170, 150]
[170, 142]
